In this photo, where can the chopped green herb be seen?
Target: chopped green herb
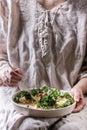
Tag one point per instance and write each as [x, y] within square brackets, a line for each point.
[45, 98]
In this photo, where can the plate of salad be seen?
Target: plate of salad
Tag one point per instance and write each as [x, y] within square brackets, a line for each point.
[43, 102]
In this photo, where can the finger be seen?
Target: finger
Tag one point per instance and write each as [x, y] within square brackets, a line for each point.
[16, 75]
[18, 70]
[77, 97]
[14, 81]
[76, 94]
[79, 105]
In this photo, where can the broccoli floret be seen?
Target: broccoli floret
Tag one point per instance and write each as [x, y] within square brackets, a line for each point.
[21, 94]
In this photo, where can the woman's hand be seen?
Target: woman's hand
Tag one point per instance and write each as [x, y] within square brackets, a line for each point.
[79, 98]
[13, 77]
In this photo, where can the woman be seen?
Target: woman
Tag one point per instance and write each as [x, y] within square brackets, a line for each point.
[42, 42]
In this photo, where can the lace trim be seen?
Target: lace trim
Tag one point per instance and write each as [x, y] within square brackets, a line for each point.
[43, 30]
[45, 23]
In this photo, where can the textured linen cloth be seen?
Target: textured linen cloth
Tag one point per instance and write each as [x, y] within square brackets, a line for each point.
[49, 46]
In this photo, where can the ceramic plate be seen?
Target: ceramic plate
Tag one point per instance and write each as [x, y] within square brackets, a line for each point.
[29, 110]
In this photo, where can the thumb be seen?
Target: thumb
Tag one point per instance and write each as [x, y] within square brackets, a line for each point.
[18, 70]
[76, 94]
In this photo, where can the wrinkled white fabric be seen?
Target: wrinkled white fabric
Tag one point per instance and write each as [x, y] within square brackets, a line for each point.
[49, 46]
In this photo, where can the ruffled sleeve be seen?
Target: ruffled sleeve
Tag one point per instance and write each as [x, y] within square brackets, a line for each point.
[4, 14]
[3, 29]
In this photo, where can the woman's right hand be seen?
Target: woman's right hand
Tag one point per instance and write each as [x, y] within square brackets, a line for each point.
[13, 77]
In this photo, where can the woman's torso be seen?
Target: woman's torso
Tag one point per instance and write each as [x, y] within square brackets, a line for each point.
[50, 47]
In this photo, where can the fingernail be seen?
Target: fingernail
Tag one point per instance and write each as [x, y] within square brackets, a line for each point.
[76, 99]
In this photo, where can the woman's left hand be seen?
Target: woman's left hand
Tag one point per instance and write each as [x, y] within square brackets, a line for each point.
[79, 98]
